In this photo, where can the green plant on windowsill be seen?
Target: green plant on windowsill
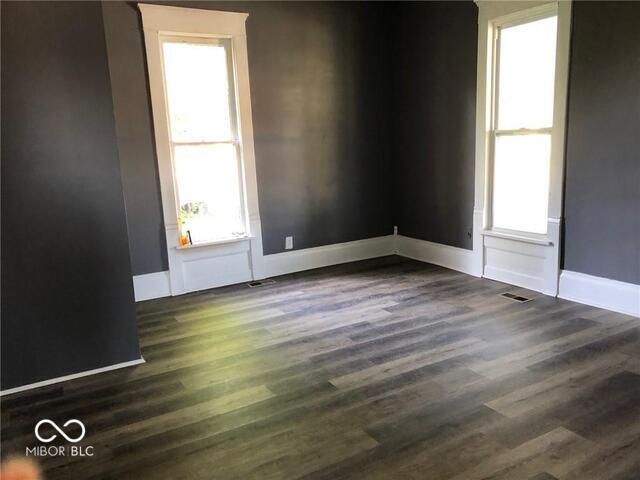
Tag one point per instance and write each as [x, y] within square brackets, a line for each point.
[188, 212]
[191, 210]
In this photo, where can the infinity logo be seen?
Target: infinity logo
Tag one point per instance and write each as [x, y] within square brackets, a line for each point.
[52, 437]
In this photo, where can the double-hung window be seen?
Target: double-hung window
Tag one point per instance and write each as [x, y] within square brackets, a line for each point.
[522, 122]
[201, 103]
[204, 137]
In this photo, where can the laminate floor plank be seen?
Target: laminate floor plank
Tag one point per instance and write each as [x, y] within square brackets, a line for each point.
[381, 369]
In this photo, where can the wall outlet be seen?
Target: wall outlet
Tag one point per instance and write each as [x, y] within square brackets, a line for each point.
[288, 243]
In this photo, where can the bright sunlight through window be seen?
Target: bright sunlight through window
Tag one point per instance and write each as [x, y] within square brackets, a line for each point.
[525, 72]
[204, 139]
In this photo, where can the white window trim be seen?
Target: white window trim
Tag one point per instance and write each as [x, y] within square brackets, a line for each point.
[492, 14]
[160, 21]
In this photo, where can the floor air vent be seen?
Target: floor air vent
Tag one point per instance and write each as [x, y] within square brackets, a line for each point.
[514, 297]
[260, 283]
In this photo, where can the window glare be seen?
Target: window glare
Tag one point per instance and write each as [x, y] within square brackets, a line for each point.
[527, 55]
[208, 189]
[198, 92]
[521, 182]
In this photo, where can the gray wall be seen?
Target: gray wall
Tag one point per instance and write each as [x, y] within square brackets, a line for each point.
[67, 295]
[318, 93]
[342, 116]
[136, 144]
[434, 121]
[433, 149]
[602, 196]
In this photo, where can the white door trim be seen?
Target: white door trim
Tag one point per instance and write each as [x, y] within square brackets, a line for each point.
[532, 263]
[216, 264]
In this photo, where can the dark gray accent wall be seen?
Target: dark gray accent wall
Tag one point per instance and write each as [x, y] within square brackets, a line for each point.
[602, 192]
[318, 94]
[67, 294]
[433, 150]
[136, 143]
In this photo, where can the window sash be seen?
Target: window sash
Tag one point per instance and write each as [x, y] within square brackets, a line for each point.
[233, 116]
[231, 80]
[494, 132]
[495, 110]
[503, 182]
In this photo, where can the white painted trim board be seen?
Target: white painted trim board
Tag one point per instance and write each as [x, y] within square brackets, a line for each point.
[596, 291]
[310, 258]
[600, 292]
[151, 285]
[455, 258]
[72, 376]
[157, 285]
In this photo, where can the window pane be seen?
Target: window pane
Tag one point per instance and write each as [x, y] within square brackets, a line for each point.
[521, 182]
[197, 91]
[208, 191]
[526, 75]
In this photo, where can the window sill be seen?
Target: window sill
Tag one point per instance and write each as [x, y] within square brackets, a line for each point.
[215, 242]
[521, 237]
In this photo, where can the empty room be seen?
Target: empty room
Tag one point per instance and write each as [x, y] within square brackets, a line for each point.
[320, 240]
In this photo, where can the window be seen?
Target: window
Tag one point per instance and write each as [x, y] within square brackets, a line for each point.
[204, 139]
[201, 104]
[522, 124]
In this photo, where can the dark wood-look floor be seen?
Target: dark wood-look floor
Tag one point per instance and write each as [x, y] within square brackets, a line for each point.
[386, 369]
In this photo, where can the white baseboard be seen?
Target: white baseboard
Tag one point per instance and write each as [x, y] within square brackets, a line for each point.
[578, 287]
[517, 279]
[309, 258]
[455, 258]
[151, 285]
[157, 285]
[600, 292]
[86, 373]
